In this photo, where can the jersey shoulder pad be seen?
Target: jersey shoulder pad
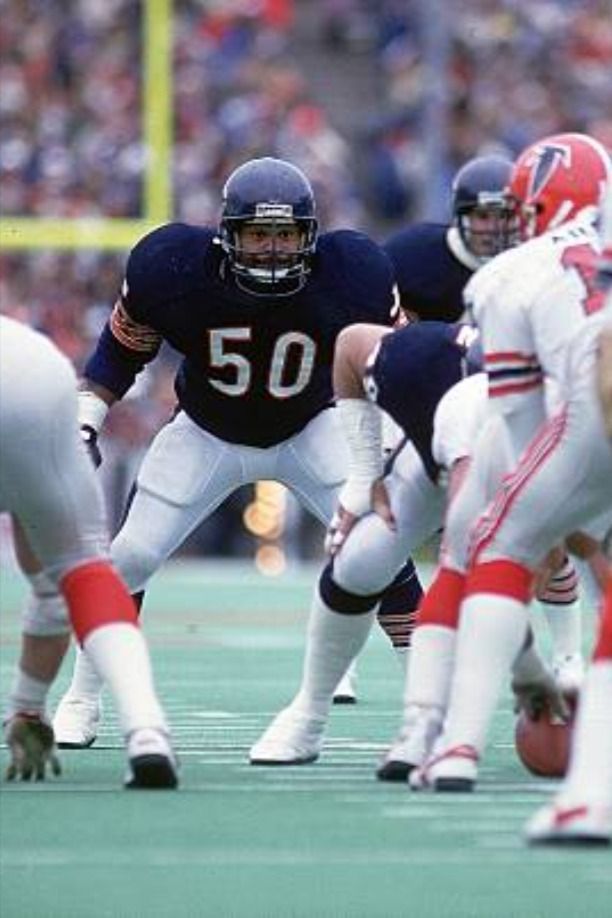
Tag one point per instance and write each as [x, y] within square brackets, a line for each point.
[165, 264]
[409, 246]
[357, 261]
[507, 281]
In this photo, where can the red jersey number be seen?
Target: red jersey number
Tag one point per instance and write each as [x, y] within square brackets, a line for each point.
[582, 259]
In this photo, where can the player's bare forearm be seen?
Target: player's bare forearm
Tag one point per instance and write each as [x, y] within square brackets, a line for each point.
[353, 348]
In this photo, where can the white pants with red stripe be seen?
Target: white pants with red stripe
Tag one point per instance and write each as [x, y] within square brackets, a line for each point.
[563, 481]
[46, 478]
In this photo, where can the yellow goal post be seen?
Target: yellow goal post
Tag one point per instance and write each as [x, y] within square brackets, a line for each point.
[28, 233]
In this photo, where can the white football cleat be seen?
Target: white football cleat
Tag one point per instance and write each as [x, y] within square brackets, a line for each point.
[570, 824]
[413, 744]
[76, 721]
[152, 764]
[293, 738]
[452, 770]
[346, 691]
[569, 673]
[30, 741]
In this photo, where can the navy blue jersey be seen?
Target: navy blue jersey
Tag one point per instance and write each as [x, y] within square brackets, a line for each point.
[413, 369]
[429, 277]
[255, 369]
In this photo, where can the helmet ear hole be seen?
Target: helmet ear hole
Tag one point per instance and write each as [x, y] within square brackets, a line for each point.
[272, 194]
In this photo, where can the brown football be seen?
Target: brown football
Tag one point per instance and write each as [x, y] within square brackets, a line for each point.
[542, 745]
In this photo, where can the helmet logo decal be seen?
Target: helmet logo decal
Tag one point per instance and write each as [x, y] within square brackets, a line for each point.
[544, 162]
[273, 211]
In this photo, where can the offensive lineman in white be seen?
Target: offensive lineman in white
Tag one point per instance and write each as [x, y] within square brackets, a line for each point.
[528, 303]
[581, 811]
[48, 484]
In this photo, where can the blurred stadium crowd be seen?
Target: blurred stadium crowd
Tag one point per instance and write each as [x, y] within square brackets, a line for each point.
[71, 139]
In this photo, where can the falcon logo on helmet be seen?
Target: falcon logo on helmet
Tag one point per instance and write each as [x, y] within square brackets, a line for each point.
[557, 179]
[545, 160]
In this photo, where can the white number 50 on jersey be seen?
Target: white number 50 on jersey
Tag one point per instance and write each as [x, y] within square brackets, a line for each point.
[222, 355]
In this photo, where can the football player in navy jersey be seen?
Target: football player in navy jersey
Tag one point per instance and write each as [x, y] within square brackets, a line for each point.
[382, 514]
[254, 307]
[433, 261]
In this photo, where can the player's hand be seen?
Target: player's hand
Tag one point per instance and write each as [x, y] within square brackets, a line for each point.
[343, 521]
[32, 749]
[337, 532]
[540, 695]
[90, 439]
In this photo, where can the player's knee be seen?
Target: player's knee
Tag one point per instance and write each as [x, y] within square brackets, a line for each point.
[403, 594]
[342, 600]
[45, 616]
[135, 562]
[364, 579]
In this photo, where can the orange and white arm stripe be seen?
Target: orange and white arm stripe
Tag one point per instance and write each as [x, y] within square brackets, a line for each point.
[132, 334]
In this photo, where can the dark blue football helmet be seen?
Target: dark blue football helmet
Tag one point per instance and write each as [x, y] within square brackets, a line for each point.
[273, 198]
[484, 211]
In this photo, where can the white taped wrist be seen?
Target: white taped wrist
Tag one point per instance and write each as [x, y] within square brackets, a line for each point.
[362, 425]
[92, 410]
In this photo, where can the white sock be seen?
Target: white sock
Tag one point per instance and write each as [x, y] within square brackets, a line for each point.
[589, 778]
[85, 683]
[565, 626]
[120, 654]
[333, 640]
[491, 633]
[403, 657]
[27, 694]
[429, 675]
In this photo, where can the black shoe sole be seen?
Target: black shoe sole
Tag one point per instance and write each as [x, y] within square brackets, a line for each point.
[344, 699]
[582, 841]
[77, 745]
[270, 762]
[152, 772]
[394, 771]
[454, 785]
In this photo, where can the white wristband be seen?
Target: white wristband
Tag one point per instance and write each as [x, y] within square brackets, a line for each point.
[362, 425]
[92, 410]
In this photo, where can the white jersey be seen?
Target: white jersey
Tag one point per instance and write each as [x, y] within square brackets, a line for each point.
[460, 415]
[528, 302]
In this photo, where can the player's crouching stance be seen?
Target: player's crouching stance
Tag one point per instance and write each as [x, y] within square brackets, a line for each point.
[48, 485]
[380, 518]
[528, 304]
[581, 812]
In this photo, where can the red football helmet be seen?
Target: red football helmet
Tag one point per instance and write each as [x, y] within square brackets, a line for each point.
[556, 178]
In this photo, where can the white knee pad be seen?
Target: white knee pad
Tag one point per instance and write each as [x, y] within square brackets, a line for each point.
[371, 540]
[45, 612]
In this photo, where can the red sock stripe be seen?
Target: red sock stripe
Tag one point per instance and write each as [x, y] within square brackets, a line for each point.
[440, 604]
[603, 647]
[536, 454]
[96, 596]
[503, 578]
